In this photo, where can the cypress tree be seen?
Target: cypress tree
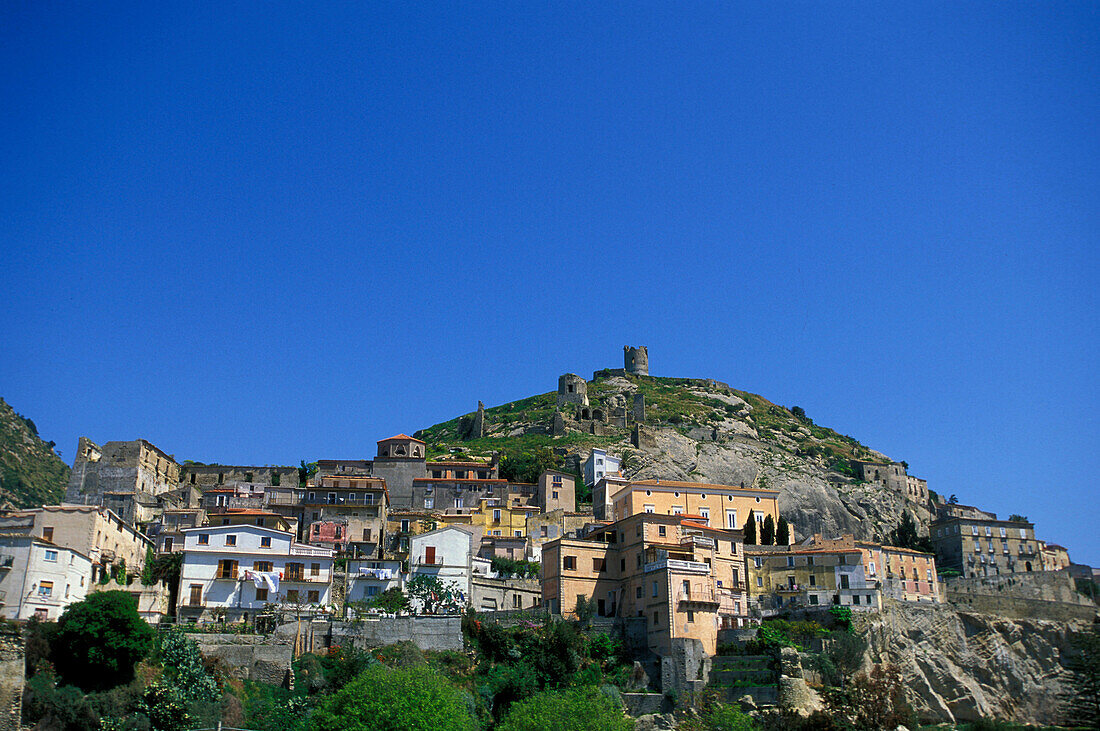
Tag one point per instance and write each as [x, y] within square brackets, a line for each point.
[782, 532]
[750, 531]
[767, 532]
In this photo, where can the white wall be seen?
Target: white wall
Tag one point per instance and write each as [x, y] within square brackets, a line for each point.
[452, 558]
[33, 562]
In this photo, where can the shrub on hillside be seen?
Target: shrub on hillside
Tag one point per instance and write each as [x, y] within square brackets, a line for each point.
[99, 640]
[385, 699]
[576, 709]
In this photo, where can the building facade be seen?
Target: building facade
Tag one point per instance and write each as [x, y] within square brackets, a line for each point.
[241, 570]
[808, 577]
[38, 579]
[599, 465]
[446, 554]
[984, 547]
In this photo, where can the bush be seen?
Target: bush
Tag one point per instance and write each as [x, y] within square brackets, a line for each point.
[577, 709]
[99, 640]
[384, 699]
[45, 705]
[183, 666]
[720, 717]
[874, 701]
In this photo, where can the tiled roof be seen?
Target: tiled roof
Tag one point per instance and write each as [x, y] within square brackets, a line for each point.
[402, 437]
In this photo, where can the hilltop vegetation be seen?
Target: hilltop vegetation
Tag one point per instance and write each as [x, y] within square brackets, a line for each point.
[31, 473]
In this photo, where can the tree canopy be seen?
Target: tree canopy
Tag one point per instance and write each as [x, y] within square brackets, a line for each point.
[396, 699]
[750, 530]
[767, 532]
[575, 709]
[102, 637]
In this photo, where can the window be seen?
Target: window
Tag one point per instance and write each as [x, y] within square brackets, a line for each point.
[661, 531]
[294, 572]
[315, 569]
[655, 617]
[759, 580]
[731, 519]
[655, 588]
[231, 539]
[569, 562]
[45, 588]
[598, 564]
[639, 559]
[404, 526]
[637, 592]
[314, 596]
[429, 503]
[196, 595]
[649, 508]
[677, 509]
[47, 533]
[204, 539]
[292, 596]
[51, 555]
[260, 522]
[691, 616]
[855, 599]
[227, 569]
[372, 591]
[988, 531]
[813, 580]
[790, 560]
[542, 531]
[557, 479]
[872, 568]
[517, 533]
[705, 512]
[262, 566]
[554, 495]
[622, 565]
[496, 516]
[261, 594]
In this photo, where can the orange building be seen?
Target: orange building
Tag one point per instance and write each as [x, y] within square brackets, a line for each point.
[718, 506]
[684, 577]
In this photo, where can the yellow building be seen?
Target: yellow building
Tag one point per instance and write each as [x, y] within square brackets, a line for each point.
[799, 578]
[685, 578]
[718, 506]
[900, 573]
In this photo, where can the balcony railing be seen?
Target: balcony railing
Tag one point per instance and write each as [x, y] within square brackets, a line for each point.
[672, 564]
[702, 596]
[789, 588]
[423, 561]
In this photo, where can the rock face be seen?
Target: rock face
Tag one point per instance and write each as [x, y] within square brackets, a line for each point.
[794, 694]
[959, 666]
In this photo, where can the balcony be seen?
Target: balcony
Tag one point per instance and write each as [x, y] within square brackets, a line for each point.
[424, 561]
[699, 599]
[694, 541]
[672, 564]
[790, 589]
[7, 561]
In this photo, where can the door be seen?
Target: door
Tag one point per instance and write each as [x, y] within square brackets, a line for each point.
[429, 555]
[168, 545]
[196, 595]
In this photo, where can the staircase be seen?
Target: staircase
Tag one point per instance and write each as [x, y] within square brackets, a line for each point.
[734, 676]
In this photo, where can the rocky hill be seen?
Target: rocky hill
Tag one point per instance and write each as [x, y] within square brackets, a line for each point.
[692, 429]
[31, 473]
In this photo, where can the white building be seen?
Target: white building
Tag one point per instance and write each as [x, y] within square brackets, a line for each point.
[243, 568]
[39, 579]
[600, 464]
[367, 578]
[445, 553]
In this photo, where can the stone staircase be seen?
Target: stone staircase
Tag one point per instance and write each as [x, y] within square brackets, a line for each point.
[734, 676]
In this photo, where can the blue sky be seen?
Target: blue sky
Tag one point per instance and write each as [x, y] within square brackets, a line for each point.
[261, 232]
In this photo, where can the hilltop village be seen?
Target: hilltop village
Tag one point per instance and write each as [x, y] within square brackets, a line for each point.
[682, 566]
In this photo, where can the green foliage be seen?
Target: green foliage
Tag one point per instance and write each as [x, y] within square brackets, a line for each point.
[1016, 517]
[798, 412]
[508, 568]
[842, 616]
[184, 668]
[906, 536]
[719, 717]
[782, 532]
[844, 654]
[165, 707]
[1081, 700]
[45, 705]
[526, 466]
[31, 473]
[434, 595]
[385, 699]
[306, 470]
[36, 649]
[750, 530]
[271, 708]
[392, 601]
[148, 577]
[100, 639]
[767, 532]
[576, 709]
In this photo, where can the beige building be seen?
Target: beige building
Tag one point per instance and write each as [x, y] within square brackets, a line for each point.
[718, 506]
[557, 491]
[126, 477]
[1053, 556]
[685, 578]
[94, 531]
[900, 573]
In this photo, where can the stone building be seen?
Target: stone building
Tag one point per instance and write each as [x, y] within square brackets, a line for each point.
[684, 578]
[636, 360]
[572, 391]
[986, 547]
[126, 477]
[399, 461]
[206, 477]
[557, 491]
[347, 512]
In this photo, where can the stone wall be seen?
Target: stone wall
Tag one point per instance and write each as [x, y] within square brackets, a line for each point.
[1036, 595]
[11, 678]
[427, 633]
[261, 658]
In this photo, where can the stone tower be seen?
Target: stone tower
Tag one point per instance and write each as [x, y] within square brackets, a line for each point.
[636, 360]
[572, 389]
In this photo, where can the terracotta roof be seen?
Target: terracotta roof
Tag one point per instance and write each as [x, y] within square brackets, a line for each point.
[247, 511]
[402, 437]
[693, 524]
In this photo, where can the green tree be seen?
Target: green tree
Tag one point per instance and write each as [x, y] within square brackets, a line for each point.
[845, 651]
[434, 595]
[750, 530]
[386, 699]
[1017, 518]
[165, 707]
[391, 601]
[100, 639]
[767, 532]
[799, 412]
[575, 709]
[782, 532]
[1081, 698]
[184, 668]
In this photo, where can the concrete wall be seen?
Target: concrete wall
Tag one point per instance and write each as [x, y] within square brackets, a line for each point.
[427, 633]
[1038, 595]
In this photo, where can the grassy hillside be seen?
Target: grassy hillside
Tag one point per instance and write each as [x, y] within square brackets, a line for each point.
[520, 428]
[31, 474]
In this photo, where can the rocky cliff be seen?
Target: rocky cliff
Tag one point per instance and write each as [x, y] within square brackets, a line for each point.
[693, 429]
[31, 473]
[960, 666]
